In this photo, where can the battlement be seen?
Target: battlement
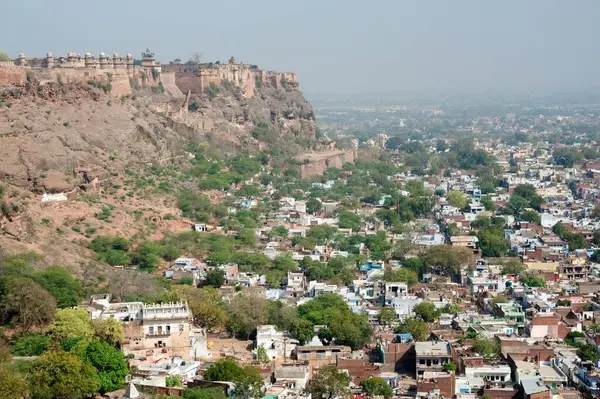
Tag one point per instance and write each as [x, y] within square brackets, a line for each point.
[74, 60]
[115, 70]
[196, 78]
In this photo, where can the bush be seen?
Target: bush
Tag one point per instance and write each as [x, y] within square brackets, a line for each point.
[105, 86]
[31, 345]
[159, 89]
[212, 90]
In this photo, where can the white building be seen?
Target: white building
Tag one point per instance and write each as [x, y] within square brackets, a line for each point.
[276, 343]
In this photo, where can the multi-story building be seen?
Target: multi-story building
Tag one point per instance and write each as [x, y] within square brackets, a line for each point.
[431, 356]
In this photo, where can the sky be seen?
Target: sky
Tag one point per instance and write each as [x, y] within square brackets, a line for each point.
[336, 46]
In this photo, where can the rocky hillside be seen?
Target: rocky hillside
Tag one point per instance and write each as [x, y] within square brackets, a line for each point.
[84, 142]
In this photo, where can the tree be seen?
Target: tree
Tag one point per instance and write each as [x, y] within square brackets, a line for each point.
[174, 381]
[13, 386]
[492, 242]
[402, 274]
[108, 330]
[62, 375]
[303, 330]
[447, 260]
[330, 383]
[486, 347]
[457, 199]
[25, 304]
[376, 386]
[426, 311]
[530, 215]
[204, 393]
[246, 312]
[387, 315]
[109, 363]
[513, 267]
[71, 323]
[313, 206]
[345, 326]
[31, 345]
[488, 204]
[532, 281]
[215, 278]
[59, 282]
[588, 352]
[417, 328]
[349, 220]
[247, 380]
[278, 231]
[449, 366]
[206, 307]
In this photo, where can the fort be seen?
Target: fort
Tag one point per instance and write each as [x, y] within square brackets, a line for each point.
[197, 78]
[125, 73]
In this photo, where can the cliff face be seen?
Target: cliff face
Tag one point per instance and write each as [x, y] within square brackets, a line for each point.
[316, 164]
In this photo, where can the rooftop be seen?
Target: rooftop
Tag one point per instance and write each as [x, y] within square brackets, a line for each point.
[431, 348]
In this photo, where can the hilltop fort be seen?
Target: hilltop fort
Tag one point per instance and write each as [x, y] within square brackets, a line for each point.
[125, 73]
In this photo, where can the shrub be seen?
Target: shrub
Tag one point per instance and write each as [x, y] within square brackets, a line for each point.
[212, 90]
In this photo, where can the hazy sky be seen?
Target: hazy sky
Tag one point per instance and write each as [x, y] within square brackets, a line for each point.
[336, 46]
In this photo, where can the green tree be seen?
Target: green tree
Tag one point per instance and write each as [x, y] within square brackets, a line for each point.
[109, 363]
[488, 204]
[174, 381]
[387, 315]
[349, 220]
[31, 345]
[71, 323]
[376, 386]
[402, 274]
[62, 375]
[313, 206]
[449, 366]
[444, 259]
[13, 385]
[532, 281]
[248, 382]
[24, 304]
[417, 328]
[108, 330]
[486, 347]
[492, 242]
[59, 282]
[303, 330]
[588, 352]
[457, 199]
[513, 267]
[206, 307]
[245, 313]
[215, 278]
[204, 393]
[330, 383]
[426, 311]
[278, 231]
[4, 57]
[530, 215]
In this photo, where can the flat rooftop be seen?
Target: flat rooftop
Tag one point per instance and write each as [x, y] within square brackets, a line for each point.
[431, 348]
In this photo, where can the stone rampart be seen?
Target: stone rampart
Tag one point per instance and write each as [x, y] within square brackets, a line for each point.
[197, 78]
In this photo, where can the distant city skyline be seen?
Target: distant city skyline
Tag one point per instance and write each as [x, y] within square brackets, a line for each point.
[352, 47]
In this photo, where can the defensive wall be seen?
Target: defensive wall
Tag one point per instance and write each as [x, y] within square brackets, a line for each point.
[197, 78]
[119, 72]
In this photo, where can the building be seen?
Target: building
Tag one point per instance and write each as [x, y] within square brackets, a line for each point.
[329, 353]
[276, 343]
[431, 356]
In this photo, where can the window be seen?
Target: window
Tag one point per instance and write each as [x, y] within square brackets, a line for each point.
[421, 361]
[150, 330]
[181, 328]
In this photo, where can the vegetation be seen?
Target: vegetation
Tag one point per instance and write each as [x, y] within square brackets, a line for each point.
[417, 328]
[375, 386]
[330, 382]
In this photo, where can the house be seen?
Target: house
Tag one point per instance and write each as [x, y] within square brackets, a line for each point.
[430, 356]
[464, 241]
[327, 353]
[277, 344]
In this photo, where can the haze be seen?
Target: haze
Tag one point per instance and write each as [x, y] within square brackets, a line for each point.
[345, 46]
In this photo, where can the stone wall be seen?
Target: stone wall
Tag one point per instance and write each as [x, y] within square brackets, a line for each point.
[198, 78]
[319, 163]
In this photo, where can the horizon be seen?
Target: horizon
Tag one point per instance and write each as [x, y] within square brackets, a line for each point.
[421, 47]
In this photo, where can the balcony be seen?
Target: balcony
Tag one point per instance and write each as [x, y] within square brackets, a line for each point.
[158, 334]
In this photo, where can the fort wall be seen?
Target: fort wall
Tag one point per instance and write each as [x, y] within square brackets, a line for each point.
[119, 72]
[197, 78]
[319, 163]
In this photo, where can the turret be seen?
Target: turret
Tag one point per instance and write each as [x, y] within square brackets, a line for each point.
[49, 60]
[21, 60]
[129, 62]
[103, 61]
